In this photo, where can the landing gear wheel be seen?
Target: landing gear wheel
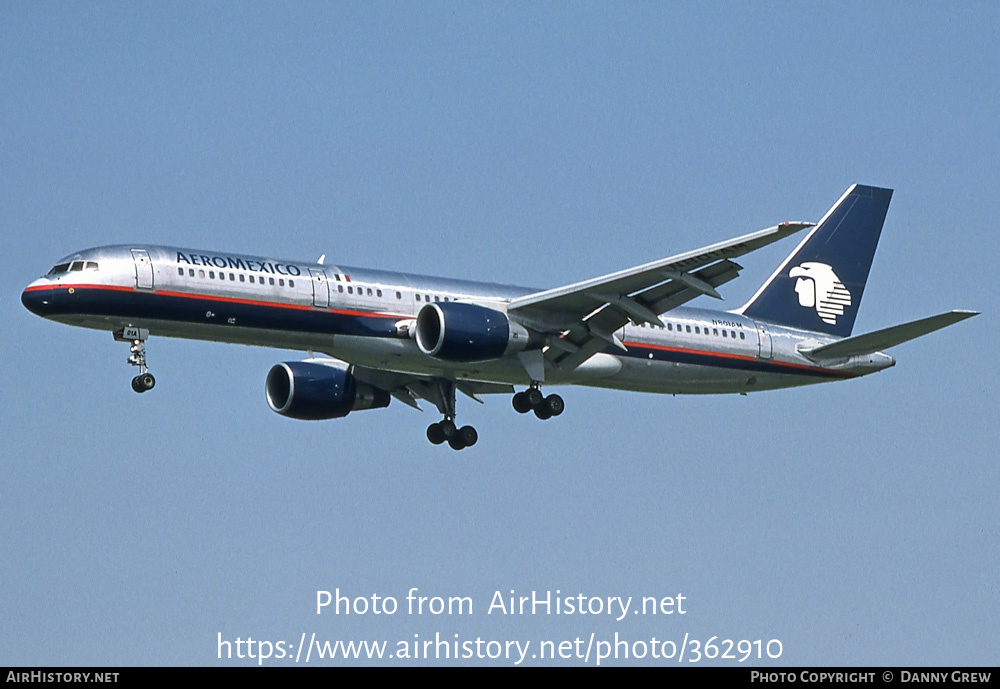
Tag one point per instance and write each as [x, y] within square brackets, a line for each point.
[534, 397]
[464, 437]
[448, 429]
[468, 435]
[554, 405]
[445, 430]
[143, 382]
[542, 412]
[434, 434]
[520, 403]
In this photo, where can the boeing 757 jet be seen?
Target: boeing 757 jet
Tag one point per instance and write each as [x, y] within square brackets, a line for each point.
[375, 335]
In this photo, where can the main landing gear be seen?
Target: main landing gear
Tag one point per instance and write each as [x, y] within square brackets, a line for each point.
[446, 430]
[137, 336]
[532, 400]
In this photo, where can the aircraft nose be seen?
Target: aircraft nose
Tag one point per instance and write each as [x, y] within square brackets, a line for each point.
[38, 300]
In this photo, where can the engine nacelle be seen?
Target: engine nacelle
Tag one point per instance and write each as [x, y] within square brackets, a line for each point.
[313, 391]
[467, 332]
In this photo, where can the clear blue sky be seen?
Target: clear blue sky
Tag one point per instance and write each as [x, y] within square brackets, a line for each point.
[535, 144]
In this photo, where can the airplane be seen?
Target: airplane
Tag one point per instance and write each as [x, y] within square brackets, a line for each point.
[388, 335]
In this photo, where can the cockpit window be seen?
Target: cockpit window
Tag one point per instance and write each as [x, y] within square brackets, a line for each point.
[72, 267]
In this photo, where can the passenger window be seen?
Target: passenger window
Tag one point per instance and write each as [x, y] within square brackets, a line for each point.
[243, 278]
[378, 292]
[291, 283]
[724, 333]
[689, 328]
[211, 275]
[417, 296]
[251, 279]
[232, 277]
[743, 336]
[697, 331]
[270, 281]
[399, 295]
[191, 272]
[733, 333]
[340, 288]
[369, 291]
[715, 331]
[201, 274]
[281, 282]
[180, 271]
[350, 290]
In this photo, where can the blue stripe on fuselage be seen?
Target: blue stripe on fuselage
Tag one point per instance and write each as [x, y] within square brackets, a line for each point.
[136, 305]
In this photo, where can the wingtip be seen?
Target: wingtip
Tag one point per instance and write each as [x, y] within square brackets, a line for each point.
[795, 225]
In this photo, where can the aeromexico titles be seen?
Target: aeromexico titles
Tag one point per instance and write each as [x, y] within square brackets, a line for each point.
[385, 335]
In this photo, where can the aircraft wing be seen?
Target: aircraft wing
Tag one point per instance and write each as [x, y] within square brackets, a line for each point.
[408, 388]
[582, 318]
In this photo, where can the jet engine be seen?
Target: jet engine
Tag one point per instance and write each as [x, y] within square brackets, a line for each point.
[454, 331]
[311, 391]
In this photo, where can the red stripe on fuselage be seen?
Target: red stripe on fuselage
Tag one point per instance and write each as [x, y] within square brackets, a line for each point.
[216, 298]
[741, 357]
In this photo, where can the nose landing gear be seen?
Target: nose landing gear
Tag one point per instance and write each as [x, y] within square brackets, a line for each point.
[137, 336]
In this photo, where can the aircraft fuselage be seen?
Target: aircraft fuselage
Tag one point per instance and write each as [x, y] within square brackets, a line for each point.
[361, 316]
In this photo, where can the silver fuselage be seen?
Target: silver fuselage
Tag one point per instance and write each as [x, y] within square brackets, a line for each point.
[356, 314]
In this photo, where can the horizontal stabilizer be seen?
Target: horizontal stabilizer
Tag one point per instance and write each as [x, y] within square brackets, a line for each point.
[888, 337]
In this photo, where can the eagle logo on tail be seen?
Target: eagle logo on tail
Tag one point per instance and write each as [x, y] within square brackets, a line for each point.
[819, 287]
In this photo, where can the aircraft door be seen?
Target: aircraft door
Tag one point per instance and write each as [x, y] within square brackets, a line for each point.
[764, 339]
[143, 269]
[321, 288]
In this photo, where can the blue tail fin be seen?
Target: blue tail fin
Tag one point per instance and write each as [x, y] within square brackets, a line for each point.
[819, 286]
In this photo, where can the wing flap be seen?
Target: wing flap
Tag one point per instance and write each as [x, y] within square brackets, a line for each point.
[583, 318]
[408, 388]
[596, 331]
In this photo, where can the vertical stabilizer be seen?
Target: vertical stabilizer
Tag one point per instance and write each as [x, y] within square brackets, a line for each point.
[819, 286]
